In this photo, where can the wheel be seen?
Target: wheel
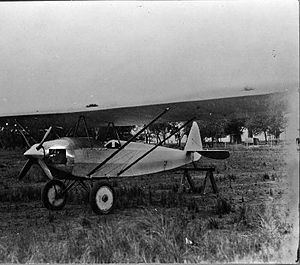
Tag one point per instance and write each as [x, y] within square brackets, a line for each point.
[102, 198]
[51, 197]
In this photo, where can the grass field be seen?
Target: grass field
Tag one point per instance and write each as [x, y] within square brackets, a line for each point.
[253, 219]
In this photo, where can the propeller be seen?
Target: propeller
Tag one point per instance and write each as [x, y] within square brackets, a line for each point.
[33, 155]
[44, 138]
[26, 167]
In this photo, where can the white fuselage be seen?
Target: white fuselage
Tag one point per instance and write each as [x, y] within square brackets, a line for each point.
[81, 157]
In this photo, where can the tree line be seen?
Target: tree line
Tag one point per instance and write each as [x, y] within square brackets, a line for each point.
[272, 122]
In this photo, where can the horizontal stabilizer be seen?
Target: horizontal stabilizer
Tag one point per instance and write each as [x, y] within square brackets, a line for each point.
[214, 154]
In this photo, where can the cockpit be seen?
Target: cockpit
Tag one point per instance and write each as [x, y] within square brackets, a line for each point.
[57, 156]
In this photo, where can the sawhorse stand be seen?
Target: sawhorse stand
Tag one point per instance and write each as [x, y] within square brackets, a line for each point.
[209, 174]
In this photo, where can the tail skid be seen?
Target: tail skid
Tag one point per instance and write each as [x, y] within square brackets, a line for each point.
[194, 144]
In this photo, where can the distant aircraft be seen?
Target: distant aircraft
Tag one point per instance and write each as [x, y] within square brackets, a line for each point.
[78, 160]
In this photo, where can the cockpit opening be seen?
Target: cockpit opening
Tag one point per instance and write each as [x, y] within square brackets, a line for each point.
[57, 156]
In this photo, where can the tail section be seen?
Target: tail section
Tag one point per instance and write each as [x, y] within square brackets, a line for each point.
[194, 144]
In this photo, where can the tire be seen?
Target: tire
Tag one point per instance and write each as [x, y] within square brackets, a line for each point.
[102, 198]
[49, 193]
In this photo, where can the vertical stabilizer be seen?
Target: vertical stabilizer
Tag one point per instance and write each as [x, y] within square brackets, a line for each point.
[193, 143]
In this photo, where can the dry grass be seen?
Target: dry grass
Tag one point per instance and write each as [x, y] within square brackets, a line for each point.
[152, 235]
[153, 220]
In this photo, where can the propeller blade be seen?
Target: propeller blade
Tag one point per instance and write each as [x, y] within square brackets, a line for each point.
[44, 138]
[45, 168]
[25, 168]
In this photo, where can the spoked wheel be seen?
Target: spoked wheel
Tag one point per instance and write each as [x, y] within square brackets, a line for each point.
[52, 196]
[102, 198]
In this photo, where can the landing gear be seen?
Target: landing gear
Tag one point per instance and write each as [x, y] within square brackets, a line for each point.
[53, 196]
[102, 198]
[102, 195]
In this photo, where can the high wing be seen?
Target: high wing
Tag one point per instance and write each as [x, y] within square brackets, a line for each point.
[241, 105]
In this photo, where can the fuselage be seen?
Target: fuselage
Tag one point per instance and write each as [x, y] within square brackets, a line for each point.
[78, 156]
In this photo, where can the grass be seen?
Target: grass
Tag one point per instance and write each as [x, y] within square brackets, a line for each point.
[156, 220]
[149, 235]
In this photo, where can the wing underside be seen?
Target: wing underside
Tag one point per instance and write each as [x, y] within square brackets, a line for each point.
[241, 106]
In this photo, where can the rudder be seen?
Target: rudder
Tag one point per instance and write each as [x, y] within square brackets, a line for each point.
[193, 143]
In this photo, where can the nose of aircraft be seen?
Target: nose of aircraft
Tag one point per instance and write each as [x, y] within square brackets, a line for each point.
[33, 153]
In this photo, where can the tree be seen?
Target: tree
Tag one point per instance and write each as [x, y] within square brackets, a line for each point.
[258, 123]
[160, 129]
[213, 128]
[173, 126]
[234, 128]
[277, 122]
[273, 121]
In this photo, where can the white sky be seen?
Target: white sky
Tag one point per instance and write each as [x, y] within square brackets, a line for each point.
[62, 55]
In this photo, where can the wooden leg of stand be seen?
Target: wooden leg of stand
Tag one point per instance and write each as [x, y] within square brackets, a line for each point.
[203, 186]
[212, 181]
[190, 181]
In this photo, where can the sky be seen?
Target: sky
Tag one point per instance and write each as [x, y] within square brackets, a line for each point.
[66, 55]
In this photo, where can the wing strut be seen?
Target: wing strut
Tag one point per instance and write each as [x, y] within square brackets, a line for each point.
[73, 130]
[21, 129]
[111, 124]
[154, 147]
[128, 142]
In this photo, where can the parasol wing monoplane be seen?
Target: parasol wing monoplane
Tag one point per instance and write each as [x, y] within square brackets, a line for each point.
[82, 159]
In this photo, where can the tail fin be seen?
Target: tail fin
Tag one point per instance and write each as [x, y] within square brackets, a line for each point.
[193, 143]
